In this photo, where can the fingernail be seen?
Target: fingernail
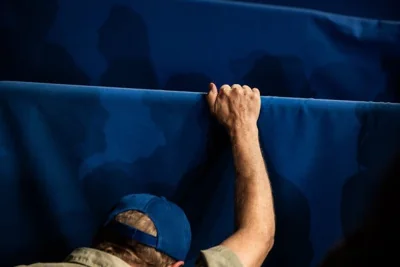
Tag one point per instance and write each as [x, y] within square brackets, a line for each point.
[211, 86]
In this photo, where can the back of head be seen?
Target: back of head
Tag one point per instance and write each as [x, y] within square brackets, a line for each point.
[132, 252]
[146, 230]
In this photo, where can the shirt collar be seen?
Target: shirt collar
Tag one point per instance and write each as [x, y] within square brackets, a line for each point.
[95, 258]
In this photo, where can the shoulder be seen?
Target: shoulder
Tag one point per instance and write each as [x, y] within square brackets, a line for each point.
[218, 256]
[61, 264]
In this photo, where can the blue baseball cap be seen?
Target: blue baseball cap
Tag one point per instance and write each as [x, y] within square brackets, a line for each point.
[173, 228]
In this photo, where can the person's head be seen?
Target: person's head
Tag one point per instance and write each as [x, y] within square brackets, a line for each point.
[145, 230]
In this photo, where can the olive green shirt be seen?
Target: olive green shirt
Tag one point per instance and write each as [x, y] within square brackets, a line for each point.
[88, 257]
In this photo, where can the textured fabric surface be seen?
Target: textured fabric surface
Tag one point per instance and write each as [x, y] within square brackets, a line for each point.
[85, 257]
[68, 153]
[184, 44]
[218, 256]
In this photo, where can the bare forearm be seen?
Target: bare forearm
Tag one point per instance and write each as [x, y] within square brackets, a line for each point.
[254, 203]
[238, 108]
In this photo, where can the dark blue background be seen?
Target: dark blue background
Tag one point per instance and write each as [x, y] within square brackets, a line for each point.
[67, 153]
[182, 45]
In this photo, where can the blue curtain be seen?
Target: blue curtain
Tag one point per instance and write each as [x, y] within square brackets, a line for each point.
[172, 45]
[382, 10]
[73, 138]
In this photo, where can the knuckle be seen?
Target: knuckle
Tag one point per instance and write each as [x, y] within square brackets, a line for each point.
[237, 89]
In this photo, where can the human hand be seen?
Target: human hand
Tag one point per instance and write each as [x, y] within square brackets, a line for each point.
[237, 107]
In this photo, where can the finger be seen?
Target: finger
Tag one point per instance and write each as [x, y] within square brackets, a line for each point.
[237, 89]
[256, 91]
[212, 95]
[225, 89]
[247, 89]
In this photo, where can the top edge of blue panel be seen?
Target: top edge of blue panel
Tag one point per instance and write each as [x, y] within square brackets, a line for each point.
[28, 86]
[71, 87]
[304, 10]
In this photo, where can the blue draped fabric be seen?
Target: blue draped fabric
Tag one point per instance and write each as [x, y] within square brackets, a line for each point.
[68, 152]
[182, 45]
[386, 9]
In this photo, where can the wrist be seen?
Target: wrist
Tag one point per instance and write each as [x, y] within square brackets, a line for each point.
[239, 130]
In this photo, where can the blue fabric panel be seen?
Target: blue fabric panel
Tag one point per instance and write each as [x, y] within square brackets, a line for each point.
[67, 153]
[386, 9]
[182, 45]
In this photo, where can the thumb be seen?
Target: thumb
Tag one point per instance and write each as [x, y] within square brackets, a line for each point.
[212, 96]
